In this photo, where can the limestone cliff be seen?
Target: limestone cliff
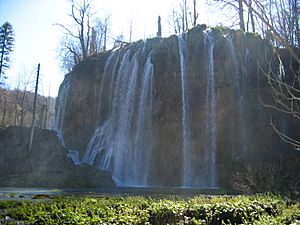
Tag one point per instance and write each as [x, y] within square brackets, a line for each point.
[177, 111]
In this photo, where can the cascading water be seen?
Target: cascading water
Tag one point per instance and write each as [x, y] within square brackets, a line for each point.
[240, 93]
[195, 174]
[187, 176]
[59, 118]
[122, 143]
[60, 108]
[210, 108]
[165, 112]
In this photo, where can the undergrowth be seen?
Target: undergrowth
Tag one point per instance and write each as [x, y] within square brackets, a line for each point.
[252, 209]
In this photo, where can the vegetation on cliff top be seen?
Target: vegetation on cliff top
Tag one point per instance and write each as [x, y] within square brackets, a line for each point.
[255, 209]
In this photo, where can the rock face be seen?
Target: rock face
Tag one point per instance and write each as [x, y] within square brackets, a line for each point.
[46, 166]
[177, 112]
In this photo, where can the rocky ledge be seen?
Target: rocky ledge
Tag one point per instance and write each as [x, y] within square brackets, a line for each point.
[47, 165]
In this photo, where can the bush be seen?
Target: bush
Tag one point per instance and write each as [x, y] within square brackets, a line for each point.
[281, 177]
[217, 210]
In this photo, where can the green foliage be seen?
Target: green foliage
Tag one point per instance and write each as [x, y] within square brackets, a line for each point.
[6, 45]
[256, 209]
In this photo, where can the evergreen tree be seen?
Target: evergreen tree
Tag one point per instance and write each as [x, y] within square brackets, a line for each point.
[6, 45]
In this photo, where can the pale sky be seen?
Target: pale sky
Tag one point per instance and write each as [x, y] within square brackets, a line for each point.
[37, 39]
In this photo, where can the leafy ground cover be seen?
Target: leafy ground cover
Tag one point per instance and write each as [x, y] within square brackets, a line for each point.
[254, 209]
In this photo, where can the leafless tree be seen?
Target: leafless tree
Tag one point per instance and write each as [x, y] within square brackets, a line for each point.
[195, 14]
[75, 46]
[180, 16]
[87, 35]
[231, 7]
[158, 27]
[284, 81]
[4, 100]
[101, 34]
[250, 18]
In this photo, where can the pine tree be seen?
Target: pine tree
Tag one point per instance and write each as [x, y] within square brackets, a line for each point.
[6, 46]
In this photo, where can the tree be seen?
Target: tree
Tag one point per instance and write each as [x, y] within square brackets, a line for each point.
[180, 17]
[88, 37]
[183, 17]
[34, 109]
[235, 6]
[158, 27]
[195, 15]
[6, 46]
[75, 46]
[250, 17]
[284, 82]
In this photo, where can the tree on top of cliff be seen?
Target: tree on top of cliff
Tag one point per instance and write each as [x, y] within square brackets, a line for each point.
[86, 36]
[242, 15]
[183, 18]
[6, 46]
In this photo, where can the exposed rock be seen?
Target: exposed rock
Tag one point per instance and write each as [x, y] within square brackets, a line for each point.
[223, 83]
[46, 166]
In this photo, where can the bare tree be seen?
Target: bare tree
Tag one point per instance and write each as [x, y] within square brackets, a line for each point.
[180, 17]
[241, 15]
[284, 82]
[234, 7]
[34, 109]
[158, 27]
[250, 18]
[75, 46]
[4, 98]
[101, 29]
[195, 14]
[84, 39]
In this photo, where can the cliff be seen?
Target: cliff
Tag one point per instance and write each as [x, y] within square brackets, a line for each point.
[177, 111]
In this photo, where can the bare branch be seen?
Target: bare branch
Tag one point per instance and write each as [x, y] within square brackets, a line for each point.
[285, 137]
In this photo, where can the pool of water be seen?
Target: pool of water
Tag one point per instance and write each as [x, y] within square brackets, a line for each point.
[24, 193]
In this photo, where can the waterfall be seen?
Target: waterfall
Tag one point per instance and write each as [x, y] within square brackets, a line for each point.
[201, 172]
[240, 93]
[58, 125]
[121, 144]
[61, 101]
[187, 176]
[106, 78]
[211, 114]
[143, 128]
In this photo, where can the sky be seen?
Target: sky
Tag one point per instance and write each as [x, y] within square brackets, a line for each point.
[37, 38]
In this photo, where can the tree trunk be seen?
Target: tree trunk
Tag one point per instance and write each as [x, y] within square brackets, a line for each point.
[2, 58]
[34, 109]
[22, 108]
[296, 20]
[16, 107]
[241, 15]
[4, 114]
[105, 33]
[159, 27]
[46, 113]
[195, 13]
[251, 16]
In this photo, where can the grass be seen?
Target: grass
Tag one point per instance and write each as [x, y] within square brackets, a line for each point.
[254, 209]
